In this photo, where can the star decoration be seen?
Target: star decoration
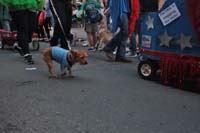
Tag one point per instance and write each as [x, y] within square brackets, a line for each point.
[184, 41]
[149, 23]
[165, 39]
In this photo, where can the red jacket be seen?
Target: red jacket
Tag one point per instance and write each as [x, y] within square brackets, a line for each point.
[135, 8]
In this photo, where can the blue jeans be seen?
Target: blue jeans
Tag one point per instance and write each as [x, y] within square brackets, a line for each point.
[120, 39]
[133, 42]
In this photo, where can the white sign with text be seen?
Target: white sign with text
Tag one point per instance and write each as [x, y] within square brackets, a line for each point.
[169, 14]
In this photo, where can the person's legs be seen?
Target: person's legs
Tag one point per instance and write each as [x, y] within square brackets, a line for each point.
[65, 14]
[89, 38]
[47, 22]
[94, 39]
[133, 42]
[25, 23]
[91, 34]
[21, 20]
[1, 25]
[16, 20]
[41, 32]
[123, 36]
[111, 46]
[132, 47]
[31, 28]
[54, 39]
[32, 24]
[57, 33]
[113, 43]
[63, 10]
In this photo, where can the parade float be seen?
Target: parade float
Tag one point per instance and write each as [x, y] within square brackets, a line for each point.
[170, 44]
[9, 38]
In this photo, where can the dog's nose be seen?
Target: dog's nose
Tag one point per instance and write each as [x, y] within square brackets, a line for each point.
[86, 62]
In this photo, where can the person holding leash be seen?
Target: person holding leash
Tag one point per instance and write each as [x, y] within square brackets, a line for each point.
[23, 14]
[62, 14]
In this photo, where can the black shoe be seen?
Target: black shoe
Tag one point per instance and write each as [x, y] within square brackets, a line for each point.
[19, 49]
[28, 59]
[124, 60]
[105, 49]
[109, 54]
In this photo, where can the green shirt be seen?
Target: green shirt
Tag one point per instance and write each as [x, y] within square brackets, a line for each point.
[84, 6]
[97, 4]
[23, 4]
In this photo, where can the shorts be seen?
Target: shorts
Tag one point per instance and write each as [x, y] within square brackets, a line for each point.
[91, 27]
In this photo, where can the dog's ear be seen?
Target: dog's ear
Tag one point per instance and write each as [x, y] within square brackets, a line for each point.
[74, 52]
[86, 55]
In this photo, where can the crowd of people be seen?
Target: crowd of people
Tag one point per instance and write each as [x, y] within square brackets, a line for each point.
[121, 17]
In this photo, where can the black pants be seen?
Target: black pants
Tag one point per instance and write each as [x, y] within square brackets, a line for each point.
[25, 22]
[1, 25]
[64, 11]
[47, 24]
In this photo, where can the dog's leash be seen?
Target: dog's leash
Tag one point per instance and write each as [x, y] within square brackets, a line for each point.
[60, 23]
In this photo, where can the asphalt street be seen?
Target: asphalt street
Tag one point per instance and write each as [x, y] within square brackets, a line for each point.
[104, 97]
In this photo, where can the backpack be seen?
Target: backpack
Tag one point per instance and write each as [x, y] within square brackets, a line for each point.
[93, 14]
[148, 5]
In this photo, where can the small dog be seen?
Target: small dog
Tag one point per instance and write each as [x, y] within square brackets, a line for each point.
[66, 59]
[104, 35]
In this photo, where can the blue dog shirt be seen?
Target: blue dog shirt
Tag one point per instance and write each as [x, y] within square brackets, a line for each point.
[60, 56]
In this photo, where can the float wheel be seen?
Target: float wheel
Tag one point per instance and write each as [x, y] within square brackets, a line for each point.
[147, 69]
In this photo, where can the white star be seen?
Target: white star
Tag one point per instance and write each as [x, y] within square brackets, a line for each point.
[165, 39]
[184, 41]
[149, 23]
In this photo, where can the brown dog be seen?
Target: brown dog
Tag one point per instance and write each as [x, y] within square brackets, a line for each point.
[103, 35]
[66, 58]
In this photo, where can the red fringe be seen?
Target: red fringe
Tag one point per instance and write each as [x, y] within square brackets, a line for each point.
[177, 69]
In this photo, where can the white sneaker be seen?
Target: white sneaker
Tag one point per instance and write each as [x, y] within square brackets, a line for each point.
[127, 49]
[85, 44]
[91, 49]
[130, 54]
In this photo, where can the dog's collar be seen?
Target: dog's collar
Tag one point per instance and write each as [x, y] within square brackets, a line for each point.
[69, 62]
